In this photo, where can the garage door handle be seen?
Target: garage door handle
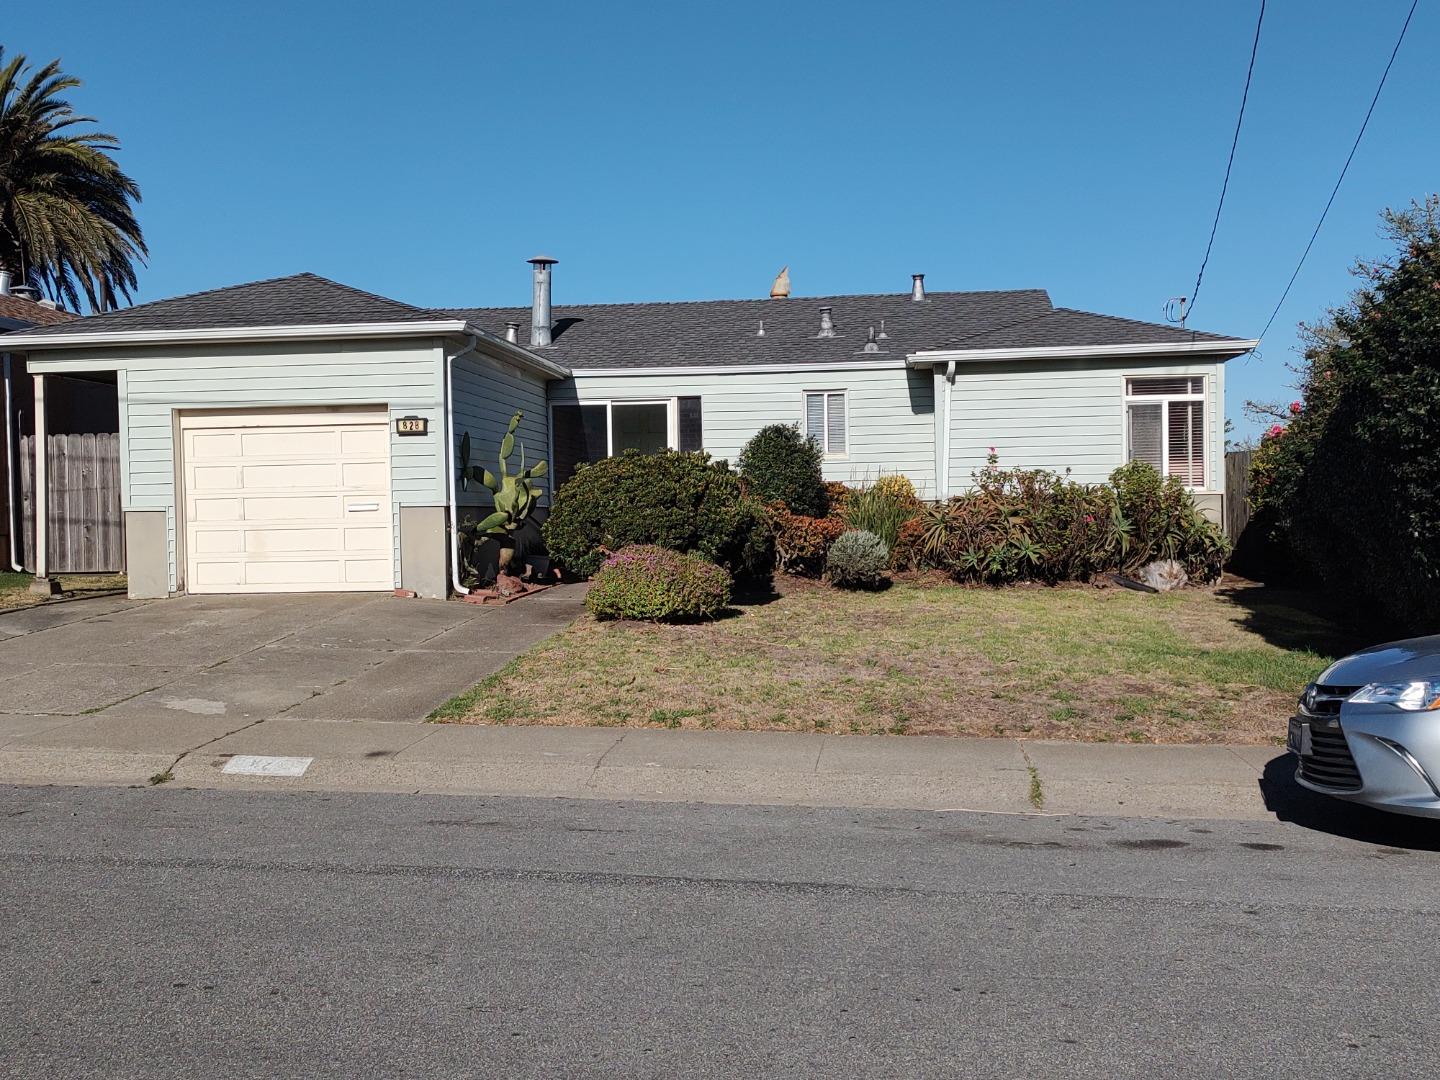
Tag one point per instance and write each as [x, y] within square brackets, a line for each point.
[353, 507]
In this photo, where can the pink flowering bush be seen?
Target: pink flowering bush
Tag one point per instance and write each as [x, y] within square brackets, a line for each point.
[645, 581]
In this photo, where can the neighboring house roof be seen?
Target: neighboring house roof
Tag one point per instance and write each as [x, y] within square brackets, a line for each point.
[724, 333]
[16, 312]
[297, 300]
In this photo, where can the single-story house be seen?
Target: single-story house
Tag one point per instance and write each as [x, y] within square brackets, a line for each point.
[297, 434]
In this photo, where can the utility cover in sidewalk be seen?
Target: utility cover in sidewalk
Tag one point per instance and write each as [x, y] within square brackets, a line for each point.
[260, 765]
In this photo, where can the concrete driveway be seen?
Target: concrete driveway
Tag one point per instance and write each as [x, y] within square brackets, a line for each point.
[243, 658]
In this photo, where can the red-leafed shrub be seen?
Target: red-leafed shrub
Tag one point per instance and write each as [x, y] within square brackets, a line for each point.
[801, 542]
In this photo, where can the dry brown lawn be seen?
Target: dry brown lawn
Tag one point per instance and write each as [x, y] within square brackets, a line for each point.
[1088, 663]
[15, 588]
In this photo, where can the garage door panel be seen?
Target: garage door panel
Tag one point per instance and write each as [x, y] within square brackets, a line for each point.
[289, 476]
[290, 443]
[273, 506]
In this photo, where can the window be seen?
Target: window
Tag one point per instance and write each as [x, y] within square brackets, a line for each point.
[600, 429]
[1165, 425]
[825, 420]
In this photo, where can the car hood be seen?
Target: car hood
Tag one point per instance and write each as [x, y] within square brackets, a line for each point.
[1397, 661]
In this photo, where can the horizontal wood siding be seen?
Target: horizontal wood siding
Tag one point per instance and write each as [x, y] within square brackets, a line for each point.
[487, 394]
[157, 383]
[891, 413]
[1063, 414]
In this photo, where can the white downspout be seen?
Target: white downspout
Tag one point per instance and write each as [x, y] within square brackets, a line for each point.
[450, 487]
[945, 437]
[10, 530]
[42, 483]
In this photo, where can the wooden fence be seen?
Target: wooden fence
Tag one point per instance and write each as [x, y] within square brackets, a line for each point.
[1237, 492]
[86, 529]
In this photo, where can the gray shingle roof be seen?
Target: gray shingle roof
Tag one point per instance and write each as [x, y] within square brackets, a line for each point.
[723, 332]
[705, 333]
[297, 300]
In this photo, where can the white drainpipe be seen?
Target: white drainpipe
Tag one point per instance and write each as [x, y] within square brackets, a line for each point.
[450, 486]
[945, 434]
[10, 487]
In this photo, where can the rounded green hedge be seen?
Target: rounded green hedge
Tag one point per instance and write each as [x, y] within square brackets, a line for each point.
[681, 501]
[782, 465]
[648, 582]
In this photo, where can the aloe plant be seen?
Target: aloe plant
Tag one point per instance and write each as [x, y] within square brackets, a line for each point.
[515, 494]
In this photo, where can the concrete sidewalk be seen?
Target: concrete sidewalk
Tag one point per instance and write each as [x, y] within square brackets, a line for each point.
[999, 775]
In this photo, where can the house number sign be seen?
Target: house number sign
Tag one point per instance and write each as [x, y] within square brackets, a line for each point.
[412, 425]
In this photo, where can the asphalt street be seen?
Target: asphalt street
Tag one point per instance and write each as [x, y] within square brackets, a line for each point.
[174, 933]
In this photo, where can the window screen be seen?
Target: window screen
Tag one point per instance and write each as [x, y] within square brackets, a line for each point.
[688, 422]
[1186, 441]
[1146, 422]
[580, 433]
[825, 420]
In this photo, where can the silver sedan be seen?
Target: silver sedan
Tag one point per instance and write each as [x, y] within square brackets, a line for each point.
[1368, 729]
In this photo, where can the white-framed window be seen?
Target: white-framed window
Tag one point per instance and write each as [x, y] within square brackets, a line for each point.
[1165, 425]
[826, 421]
[590, 430]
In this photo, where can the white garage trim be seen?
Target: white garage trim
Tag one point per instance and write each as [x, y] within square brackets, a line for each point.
[287, 500]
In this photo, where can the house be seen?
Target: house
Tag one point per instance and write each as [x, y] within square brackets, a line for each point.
[297, 434]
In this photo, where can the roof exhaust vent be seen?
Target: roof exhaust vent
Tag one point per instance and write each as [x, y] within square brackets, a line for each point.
[871, 345]
[25, 292]
[540, 322]
[512, 331]
[917, 287]
[882, 336]
[827, 324]
[781, 288]
[761, 331]
[4, 282]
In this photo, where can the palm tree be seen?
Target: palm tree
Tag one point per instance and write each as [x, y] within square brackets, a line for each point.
[67, 219]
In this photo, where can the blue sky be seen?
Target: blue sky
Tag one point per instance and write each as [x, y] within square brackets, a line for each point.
[686, 151]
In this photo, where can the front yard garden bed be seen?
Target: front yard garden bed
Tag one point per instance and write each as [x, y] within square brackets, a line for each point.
[926, 658]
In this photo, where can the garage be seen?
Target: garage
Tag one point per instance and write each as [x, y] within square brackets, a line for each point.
[287, 500]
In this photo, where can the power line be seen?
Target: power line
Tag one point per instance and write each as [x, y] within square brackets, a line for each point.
[1345, 168]
[1225, 186]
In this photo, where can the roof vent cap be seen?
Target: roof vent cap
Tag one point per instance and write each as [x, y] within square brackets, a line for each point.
[871, 345]
[512, 331]
[917, 287]
[827, 324]
[4, 282]
[25, 292]
[761, 332]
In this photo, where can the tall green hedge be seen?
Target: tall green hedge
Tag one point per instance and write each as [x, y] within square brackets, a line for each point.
[1350, 482]
[781, 465]
[681, 501]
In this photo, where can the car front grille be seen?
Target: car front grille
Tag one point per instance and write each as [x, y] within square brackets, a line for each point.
[1328, 700]
[1331, 764]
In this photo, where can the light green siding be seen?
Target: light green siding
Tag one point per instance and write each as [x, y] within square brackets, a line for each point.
[891, 412]
[406, 377]
[1063, 414]
[487, 394]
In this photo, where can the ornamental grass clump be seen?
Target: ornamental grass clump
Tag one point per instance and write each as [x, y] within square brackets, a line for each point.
[653, 583]
[881, 509]
[858, 560]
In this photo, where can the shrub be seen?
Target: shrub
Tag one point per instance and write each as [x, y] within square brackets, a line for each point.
[1158, 520]
[649, 582]
[857, 560]
[837, 497]
[875, 510]
[801, 543]
[896, 486]
[681, 501]
[781, 465]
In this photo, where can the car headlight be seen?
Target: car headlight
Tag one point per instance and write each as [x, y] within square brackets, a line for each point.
[1410, 696]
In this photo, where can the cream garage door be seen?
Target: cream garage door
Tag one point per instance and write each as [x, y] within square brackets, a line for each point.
[287, 501]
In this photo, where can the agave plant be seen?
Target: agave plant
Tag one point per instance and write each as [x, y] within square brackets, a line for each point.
[515, 495]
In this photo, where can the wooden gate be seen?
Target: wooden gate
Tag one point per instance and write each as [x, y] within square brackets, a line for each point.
[1237, 492]
[86, 529]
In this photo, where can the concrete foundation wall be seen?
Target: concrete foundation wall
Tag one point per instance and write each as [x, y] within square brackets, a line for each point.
[424, 551]
[147, 553]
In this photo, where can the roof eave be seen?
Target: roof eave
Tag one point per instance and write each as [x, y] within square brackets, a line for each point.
[499, 347]
[27, 342]
[1224, 349]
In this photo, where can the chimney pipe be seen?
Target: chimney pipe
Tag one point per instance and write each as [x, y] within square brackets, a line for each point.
[4, 282]
[917, 287]
[512, 331]
[827, 325]
[540, 310]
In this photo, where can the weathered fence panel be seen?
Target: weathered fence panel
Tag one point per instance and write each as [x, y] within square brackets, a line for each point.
[1237, 492]
[85, 527]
